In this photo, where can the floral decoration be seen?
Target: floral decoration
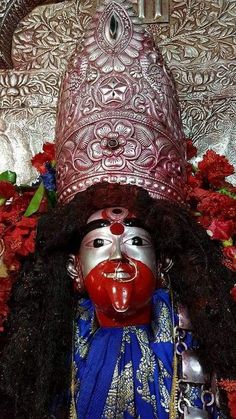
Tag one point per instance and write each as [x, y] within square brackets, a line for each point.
[122, 52]
[114, 145]
[214, 169]
[36, 44]
[3, 6]
[213, 200]
[20, 208]
[48, 155]
[230, 387]
[18, 235]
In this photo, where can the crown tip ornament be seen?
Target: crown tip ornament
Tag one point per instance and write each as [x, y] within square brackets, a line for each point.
[118, 118]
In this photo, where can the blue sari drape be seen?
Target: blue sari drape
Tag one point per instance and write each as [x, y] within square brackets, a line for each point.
[126, 372]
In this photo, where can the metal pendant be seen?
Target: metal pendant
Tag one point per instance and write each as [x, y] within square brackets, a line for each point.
[191, 368]
[195, 413]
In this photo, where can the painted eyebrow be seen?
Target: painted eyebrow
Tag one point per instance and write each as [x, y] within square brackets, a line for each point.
[93, 225]
[134, 222]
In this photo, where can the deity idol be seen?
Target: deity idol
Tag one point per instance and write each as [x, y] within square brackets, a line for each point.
[124, 311]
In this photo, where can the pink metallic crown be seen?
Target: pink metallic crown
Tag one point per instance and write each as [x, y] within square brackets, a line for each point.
[118, 117]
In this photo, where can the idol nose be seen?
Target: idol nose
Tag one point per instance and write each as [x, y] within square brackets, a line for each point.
[116, 253]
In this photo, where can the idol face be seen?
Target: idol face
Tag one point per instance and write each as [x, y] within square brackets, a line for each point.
[118, 264]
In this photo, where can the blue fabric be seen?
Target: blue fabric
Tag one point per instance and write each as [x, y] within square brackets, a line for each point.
[127, 372]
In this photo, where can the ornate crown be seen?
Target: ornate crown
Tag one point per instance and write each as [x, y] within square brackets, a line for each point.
[118, 118]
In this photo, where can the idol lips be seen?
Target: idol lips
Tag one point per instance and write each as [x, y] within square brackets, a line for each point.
[119, 275]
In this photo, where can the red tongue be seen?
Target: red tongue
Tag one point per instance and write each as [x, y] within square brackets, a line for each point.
[119, 294]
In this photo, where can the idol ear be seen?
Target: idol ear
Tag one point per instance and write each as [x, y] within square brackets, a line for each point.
[75, 272]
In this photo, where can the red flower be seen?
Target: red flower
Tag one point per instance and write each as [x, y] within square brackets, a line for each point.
[11, 261]
[27, 244]
[7, 190]
[232, 405]
[214, 168]
[21, 239]
[26, 223]
[200, 193]
[49, 149]
[230, 387]
[196, 195]
[18, 233]
[217, 205]
[221, 230]
[48, 155]
[194, 181]
[5, 285]
[191, 150]
[5, 289]
[38, 162]
[205, 221]
[10, 214]
[230, 256]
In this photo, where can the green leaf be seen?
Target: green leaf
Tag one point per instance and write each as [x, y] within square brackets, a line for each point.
[225, 191]
[227, 243]
[8, 176]
[35, 201]
[2, 201]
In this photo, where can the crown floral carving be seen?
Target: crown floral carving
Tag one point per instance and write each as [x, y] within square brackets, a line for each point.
[118, 118]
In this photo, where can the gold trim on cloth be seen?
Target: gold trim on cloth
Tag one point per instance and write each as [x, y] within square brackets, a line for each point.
[174, 390]
[175, 379]
[73, 414]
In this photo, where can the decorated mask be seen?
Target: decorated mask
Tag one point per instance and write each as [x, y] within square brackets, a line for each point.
[118, 265]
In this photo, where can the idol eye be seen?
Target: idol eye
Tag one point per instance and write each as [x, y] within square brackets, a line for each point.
[137, 241]
[98, 243]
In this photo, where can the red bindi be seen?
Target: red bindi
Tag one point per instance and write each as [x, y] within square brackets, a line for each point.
[117, 229]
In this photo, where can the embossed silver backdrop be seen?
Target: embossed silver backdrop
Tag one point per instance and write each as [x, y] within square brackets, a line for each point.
[198, 43]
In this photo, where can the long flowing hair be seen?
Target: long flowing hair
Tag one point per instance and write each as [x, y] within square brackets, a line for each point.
[36, 359]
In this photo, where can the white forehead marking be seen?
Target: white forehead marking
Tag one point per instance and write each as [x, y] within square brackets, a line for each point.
[112, 214]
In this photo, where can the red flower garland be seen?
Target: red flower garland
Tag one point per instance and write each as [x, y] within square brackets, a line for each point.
[7, 190]
[213, 201]
[39, 161]
[18, 231]
[230, 387]
[215, 168]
